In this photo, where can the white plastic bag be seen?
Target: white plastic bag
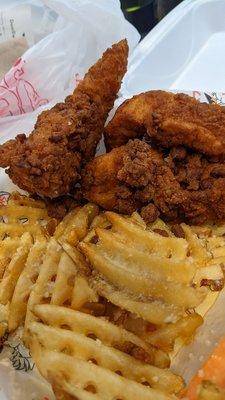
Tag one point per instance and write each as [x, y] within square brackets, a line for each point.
[78, 31]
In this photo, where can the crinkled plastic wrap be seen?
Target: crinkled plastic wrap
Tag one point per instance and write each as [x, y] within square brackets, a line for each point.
[66, 38]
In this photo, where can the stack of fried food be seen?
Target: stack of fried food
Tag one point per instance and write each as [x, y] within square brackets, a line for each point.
[166, 152]
[166, 157]
[104, 298]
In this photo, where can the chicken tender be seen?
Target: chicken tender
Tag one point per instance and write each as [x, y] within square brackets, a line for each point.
[167, 120]
[176, 184]
[130, 177]
[49, 161]
[132, 117]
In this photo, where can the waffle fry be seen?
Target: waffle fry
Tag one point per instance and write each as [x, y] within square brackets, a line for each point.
[8, 248]
[154, 276]
[55, 283]
[107, 357]
[148, 277]
[160, 226]
[165, 337]
[13, 257]
[14, 268]
[67, 224]
[88, 341]
[100, 221]
[122, 276]
[107, 384]
[109, 266]
[206, 245]
[86, 348]
[23, 214]
[23, 235]
[216, 247]
[150, 242]
[82, 293]
[17, 198]
[65, 391]
[218, 230]
[15, 230]
[107, 332]
[197, 250]
[212, 273]
[25, 284]
[212, 255]
[75, 225]
[153, 311]
[170, 268]
[73, 228]
[43, 289]
[21, 261]
[52, 279]
[12, 213]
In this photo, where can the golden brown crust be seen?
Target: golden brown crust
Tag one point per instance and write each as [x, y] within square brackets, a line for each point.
[178, 185]
[49, 161]
[131, 118]
[128, 178]
[169, 120]
[100, 178]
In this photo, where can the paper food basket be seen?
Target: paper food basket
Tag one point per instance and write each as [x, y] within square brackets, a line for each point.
[184, 52]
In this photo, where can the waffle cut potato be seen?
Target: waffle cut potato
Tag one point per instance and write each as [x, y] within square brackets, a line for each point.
[23, 214]
[61, 263]
[105, 298]
[104, 353]
[89, 357]
[149, 280]
[135, 294]
[34, 267]
[23, 237]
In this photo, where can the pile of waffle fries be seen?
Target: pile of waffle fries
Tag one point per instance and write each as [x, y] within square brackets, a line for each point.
[104, 299]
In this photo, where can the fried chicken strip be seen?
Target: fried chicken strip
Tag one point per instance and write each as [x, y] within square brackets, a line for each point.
[49, 161]
[169, 120]
[130, 177]
[178, 186]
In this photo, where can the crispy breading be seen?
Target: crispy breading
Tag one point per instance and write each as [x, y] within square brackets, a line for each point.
[169, 120]
[49, 161]
[131, 118]
[130, 177]
[136, 176]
